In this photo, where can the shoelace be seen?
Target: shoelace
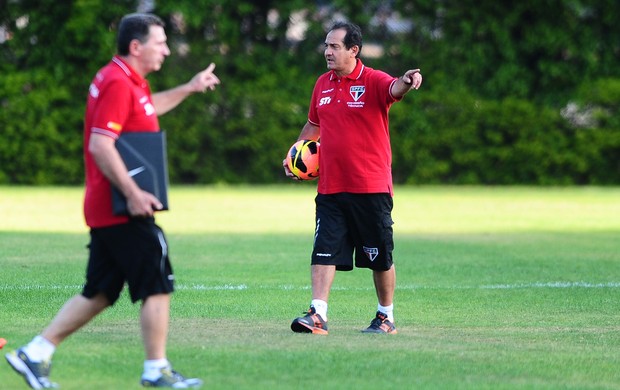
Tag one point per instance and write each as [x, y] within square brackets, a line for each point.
[176, 375]
[173, 374]
[378, 321]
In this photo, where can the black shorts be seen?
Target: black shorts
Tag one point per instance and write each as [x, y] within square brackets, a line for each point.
[349, 223]
[135, 252]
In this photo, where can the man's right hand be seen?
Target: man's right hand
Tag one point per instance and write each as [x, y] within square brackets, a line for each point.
[287, 170]
[143, 204]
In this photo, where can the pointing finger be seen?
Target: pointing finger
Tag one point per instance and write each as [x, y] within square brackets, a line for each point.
[210, 68]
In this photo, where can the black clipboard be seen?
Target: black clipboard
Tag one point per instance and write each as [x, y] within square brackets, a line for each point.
[145, 157]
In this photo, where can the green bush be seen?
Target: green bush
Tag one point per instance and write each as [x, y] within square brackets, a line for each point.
[41, 136]
[459, 139]
[528, 100]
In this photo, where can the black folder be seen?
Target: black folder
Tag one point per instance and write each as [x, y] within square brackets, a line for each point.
[145, 157]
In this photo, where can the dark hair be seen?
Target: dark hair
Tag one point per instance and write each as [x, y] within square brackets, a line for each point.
[352, 37]
[135, 26]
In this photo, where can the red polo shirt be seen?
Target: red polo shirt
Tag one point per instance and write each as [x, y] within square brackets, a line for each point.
[352, 113]
[118, 100]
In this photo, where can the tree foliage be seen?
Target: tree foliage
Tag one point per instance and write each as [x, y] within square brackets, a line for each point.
[522, 92]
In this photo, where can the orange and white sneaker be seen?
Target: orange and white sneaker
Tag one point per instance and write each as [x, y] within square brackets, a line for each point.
[310, 323]
[381, 324]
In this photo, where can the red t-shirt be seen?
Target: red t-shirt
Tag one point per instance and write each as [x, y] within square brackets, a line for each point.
[352, 113]
[119, 99]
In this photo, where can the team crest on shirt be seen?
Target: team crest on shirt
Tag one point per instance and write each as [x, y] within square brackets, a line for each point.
[371, 253]
[357, 91]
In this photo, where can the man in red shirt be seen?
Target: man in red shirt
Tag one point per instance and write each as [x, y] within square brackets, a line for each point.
[349, 114]
[128, 249]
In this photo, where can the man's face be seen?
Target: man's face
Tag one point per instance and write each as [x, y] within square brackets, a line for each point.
[339, 58]
[154, 51]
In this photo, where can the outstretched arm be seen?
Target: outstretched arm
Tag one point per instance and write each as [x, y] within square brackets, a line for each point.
[412, 79]
[167, 100]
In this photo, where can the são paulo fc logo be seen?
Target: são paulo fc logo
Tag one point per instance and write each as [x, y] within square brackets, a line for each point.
[371, 253]
[357, 91]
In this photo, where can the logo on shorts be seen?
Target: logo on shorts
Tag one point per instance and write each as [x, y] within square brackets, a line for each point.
[371, 253]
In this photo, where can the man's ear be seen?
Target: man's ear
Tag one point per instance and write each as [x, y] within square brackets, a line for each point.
[135, 47]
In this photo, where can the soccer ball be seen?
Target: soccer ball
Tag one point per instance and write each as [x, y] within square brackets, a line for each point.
[303, 159]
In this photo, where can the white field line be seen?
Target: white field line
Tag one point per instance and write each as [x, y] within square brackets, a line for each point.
[406, 287]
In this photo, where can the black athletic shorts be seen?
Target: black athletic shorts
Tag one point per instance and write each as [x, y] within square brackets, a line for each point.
[136, 253]
[349, 223]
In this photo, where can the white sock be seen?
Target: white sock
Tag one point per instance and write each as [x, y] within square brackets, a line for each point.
[320, 307]
[39, 349]
[388, 310]
[152, 368]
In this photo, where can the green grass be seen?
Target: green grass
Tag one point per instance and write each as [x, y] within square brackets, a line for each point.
[498, 288]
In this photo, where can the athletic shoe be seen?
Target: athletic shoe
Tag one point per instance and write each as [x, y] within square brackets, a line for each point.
[380, 324]
[171, 378]
[35, 374]
[310, 323]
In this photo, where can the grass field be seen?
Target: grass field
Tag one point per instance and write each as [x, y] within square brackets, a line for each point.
[498, 288]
